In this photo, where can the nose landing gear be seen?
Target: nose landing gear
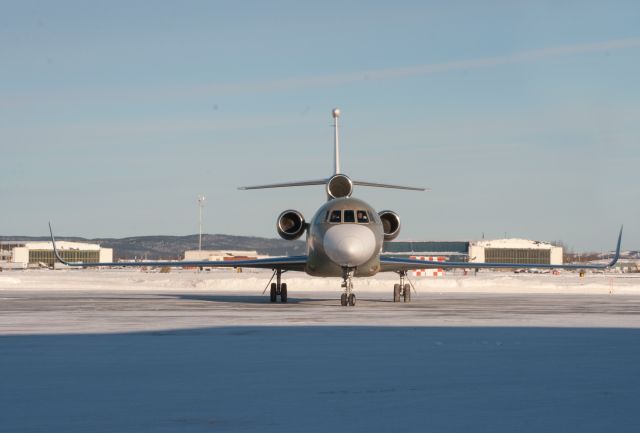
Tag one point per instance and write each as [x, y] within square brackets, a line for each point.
[348, 297]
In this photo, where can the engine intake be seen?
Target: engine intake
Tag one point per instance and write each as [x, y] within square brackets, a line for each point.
[339, 186]
[291, 225]
[390, 224]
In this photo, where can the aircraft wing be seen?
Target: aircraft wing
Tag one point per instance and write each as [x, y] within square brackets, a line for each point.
[398, 264]
[290, 263]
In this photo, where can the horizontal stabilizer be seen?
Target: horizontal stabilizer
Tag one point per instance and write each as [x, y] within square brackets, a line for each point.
[385, 185]
[325, 181]
[286, 184]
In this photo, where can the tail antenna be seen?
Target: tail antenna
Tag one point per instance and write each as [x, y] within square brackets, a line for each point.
[336, 142]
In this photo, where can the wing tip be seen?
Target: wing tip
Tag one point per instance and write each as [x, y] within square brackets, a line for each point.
[56, 254]
[616, 256]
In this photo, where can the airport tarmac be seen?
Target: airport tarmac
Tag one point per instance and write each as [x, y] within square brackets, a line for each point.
[163, 360]
[46, 312]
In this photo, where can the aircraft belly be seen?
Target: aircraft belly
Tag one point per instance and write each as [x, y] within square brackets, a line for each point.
[319, 265]
[322, 267]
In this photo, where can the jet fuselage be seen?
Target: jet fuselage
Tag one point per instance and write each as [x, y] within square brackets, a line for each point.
[344, 233]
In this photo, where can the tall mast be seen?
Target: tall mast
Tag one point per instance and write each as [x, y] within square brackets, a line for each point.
[200, 204]
[336, 143]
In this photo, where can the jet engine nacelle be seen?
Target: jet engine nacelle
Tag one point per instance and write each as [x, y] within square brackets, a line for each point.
[390, 224]
[339, 186]
[291, 225]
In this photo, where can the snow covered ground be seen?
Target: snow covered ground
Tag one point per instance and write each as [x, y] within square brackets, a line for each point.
[254, 282]
[126, 351]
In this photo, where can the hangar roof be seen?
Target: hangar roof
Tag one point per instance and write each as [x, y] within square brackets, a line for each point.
[513, 243]
[458, 247]
[61, 245]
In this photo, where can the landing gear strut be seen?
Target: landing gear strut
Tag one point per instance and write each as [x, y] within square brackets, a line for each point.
[278, 288]
[348, 297]
[403, 289]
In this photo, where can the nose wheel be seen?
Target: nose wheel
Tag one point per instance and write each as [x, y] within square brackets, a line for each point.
[278, 289]
[348, 297]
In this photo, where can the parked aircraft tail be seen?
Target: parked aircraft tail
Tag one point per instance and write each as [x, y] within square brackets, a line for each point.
[338, 185]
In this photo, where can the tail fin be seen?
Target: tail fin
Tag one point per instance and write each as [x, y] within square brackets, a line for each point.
[336, 143]
[338, 185]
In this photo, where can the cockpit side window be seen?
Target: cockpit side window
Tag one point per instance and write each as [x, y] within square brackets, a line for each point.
[362, 216]
[349, 217]
[335, 217]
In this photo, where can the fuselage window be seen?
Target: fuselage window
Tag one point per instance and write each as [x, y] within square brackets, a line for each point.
[349, 217]
[362, 216]
[335, 217]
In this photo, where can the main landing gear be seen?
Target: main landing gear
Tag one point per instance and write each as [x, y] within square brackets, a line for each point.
[278, 288]
[403, 289]
[348, 297]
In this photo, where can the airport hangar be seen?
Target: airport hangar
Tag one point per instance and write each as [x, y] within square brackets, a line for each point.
[23, 254]
[517, 251]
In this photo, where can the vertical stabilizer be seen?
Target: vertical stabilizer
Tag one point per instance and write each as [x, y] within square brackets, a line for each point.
[338, 185]
[336, 142]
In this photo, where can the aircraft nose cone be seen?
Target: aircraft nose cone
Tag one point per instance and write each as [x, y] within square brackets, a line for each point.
[349, 244]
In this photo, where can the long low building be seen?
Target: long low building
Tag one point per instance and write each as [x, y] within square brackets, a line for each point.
[30, 254]
[452, 250]
[516, 251]
[221, 255]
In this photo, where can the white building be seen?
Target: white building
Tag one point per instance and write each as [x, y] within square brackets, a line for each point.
[41, 253]
[517, 251]
[627, 266]
[220, 255]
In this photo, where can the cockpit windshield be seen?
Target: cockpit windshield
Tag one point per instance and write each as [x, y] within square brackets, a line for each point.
[349, 217]
[359, 216]
[335, 216]
[362, 217]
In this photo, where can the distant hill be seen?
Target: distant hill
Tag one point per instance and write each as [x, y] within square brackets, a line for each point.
[173, 247]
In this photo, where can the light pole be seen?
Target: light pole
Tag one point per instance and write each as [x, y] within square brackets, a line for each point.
[200, 204]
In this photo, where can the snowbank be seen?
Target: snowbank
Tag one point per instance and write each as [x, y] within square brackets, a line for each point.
[255, 281]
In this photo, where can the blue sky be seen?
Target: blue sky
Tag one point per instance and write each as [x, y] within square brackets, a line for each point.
[521, 116]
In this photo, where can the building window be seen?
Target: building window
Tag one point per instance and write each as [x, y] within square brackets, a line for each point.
[519, 256]
[47, 256]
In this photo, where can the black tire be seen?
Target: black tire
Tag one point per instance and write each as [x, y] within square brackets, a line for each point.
[343, 300]
[352, 300]
[407, 293]
[283, 293]
[396, 293]
[273, 294]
